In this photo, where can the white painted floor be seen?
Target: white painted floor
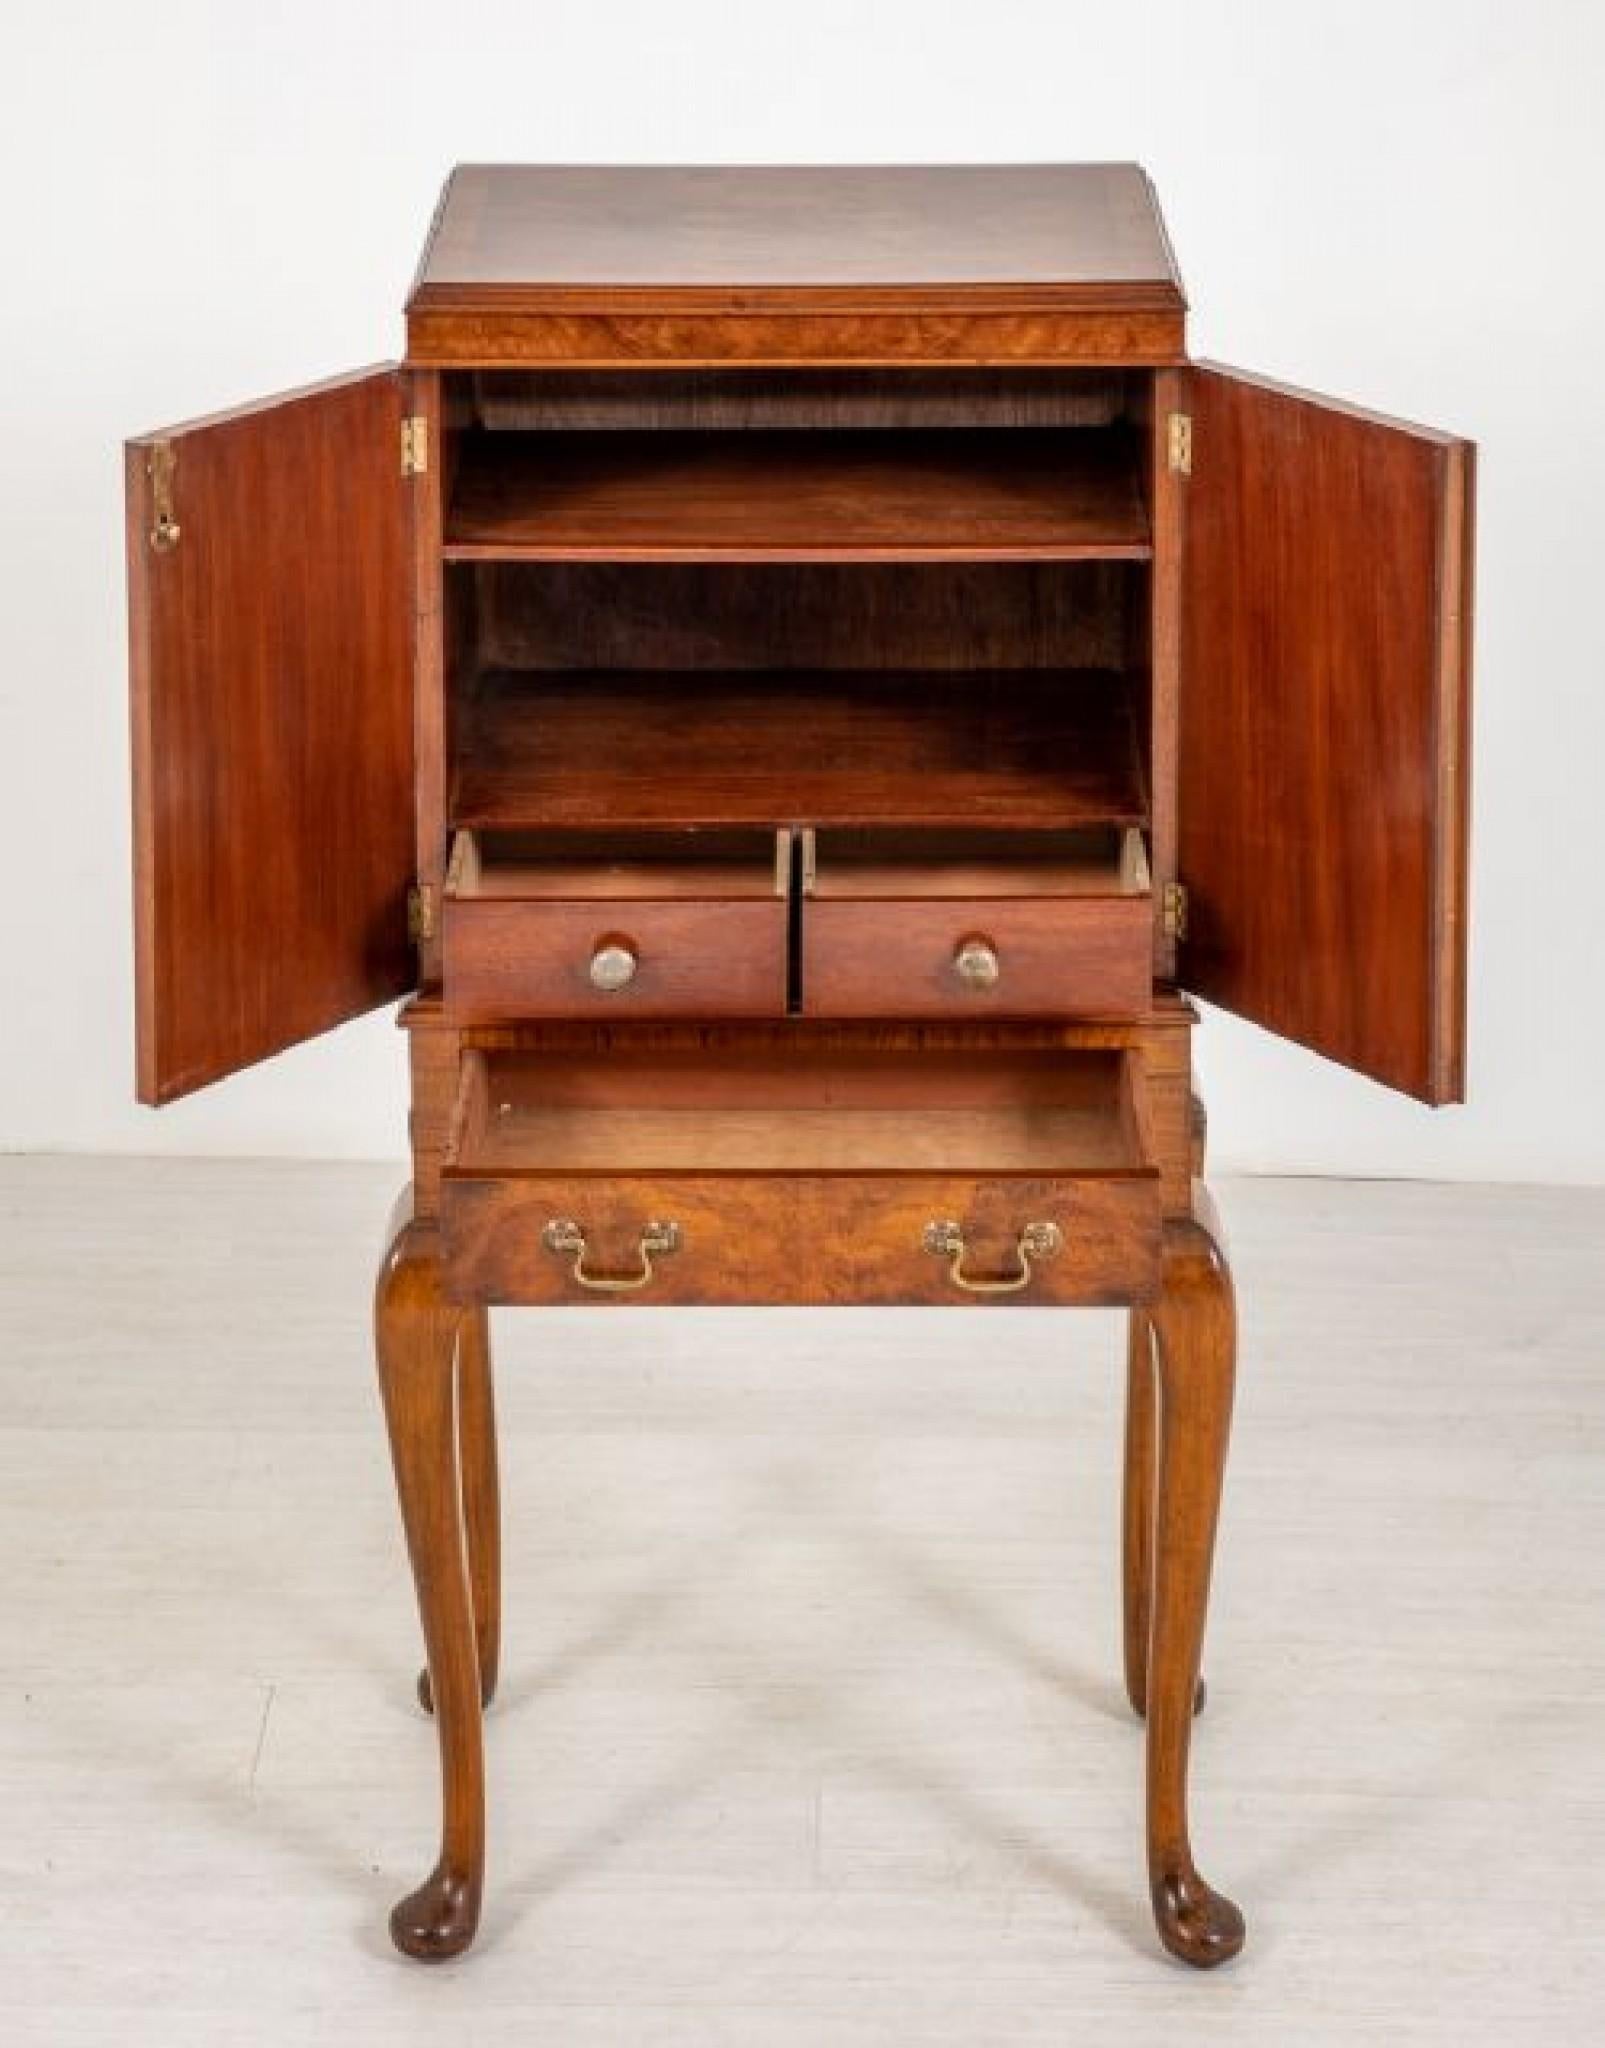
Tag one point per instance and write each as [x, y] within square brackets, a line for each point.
[812, 1729]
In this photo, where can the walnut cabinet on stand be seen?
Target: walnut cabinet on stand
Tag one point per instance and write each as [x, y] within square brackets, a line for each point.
[794, 677]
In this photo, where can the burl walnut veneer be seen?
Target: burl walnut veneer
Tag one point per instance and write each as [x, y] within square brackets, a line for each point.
[793, 677]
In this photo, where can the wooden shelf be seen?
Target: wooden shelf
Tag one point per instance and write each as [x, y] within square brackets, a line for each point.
[960, 495]
[1020, 747]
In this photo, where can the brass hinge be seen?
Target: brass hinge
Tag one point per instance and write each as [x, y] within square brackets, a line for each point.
[414, 445]
[420, 913]
[1179, 439]
[163, 526]
[1173, 910]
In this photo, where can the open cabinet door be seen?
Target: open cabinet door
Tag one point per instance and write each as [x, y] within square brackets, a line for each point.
[1324, 728]
[270, 600]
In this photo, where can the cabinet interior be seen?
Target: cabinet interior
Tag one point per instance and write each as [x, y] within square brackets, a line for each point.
[604, 866]
[1069, 1115]
[965, 865]
[855, 599]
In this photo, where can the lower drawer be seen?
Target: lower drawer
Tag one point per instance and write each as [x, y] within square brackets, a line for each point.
[893, 1179]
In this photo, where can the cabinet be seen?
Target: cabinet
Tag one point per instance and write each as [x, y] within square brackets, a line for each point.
[795, 677]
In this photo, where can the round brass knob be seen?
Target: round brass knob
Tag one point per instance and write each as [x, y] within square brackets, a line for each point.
[976, 963]
[613, 965]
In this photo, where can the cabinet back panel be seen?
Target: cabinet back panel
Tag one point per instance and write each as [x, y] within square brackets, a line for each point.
[642, 750]
[524, 400]
[948, 616]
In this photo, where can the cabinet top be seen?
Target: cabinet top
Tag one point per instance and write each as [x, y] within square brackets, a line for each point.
[1055, 261]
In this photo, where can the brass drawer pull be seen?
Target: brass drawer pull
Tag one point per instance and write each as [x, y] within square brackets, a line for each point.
[1036, 1241]
[613, 965]
[563, 1235]
[975, 962]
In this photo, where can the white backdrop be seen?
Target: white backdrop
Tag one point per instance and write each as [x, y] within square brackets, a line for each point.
[1394, 203]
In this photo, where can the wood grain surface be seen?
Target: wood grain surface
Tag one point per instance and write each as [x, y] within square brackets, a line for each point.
[894, 495]
[689, 264]
[271, 659]
[1057, 956]
[1066, 916]
[504, 337]
[704, 916]
[794, 1182]
[908, 1065]
[1004, 748]
[801, 1239]
[693, 229]
[953, 616]
[1325, 728]
[533, 959]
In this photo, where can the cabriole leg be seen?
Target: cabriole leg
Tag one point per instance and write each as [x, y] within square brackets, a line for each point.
[1137, 1507]
[1137, 1512]
[1137, 1499]
[416, 1335]
[477, 1463]
[1194, 1326]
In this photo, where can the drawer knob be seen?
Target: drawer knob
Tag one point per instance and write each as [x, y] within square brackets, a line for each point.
[563, 1237]
[613, 965]
[1036, 1241]
[976, 963]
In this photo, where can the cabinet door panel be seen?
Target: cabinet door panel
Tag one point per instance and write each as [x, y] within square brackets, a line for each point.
[271, 674]
[1325, 727]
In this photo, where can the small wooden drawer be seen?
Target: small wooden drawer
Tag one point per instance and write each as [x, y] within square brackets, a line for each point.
[875, 1178]
[998, 924]
[561, 924]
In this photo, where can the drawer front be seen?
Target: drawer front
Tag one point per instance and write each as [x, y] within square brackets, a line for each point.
[606, 959]
[1021, 957]
[899, 1240]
